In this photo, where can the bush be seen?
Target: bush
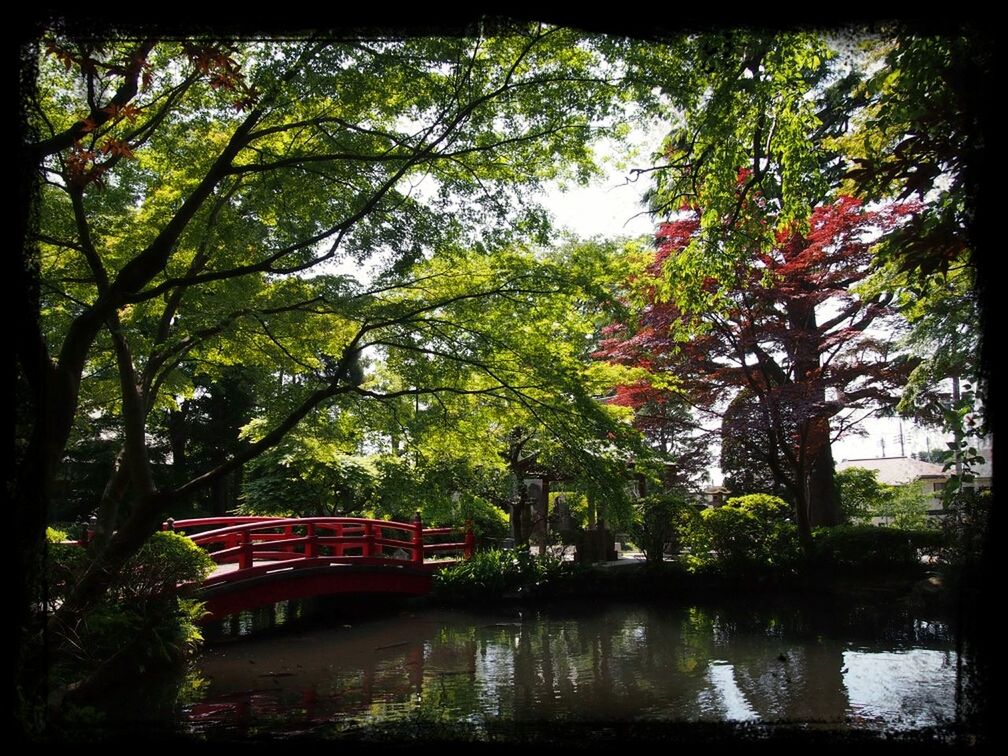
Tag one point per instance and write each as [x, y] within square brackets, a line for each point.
[166, 561]
[661, 520]
[493, 573]
[141, 621]
[748, 532]
[869, 546]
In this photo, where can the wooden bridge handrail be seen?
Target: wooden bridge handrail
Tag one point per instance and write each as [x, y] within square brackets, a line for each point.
[277, 522]
[233, 519]
[245, 538]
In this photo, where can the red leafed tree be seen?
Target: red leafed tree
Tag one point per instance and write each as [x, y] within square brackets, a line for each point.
[796, 357]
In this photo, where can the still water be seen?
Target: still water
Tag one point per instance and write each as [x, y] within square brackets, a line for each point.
[842, 668]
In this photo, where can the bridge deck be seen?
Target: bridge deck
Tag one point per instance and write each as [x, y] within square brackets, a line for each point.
[224, 569]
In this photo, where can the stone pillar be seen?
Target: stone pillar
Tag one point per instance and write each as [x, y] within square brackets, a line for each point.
[537, 509]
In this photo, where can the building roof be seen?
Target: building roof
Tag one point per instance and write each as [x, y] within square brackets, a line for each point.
[896, 470]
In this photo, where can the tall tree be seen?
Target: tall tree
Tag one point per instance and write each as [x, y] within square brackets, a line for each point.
[792, 354]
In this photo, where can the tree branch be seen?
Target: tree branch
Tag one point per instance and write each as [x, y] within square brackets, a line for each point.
[99, 116]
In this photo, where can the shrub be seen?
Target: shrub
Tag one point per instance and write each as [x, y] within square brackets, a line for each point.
[748, 532]
[166, 561]
[661, 520]
[869, 546]
[141, 621]
[493, 573]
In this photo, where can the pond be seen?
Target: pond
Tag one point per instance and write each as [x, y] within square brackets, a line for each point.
[482, 672]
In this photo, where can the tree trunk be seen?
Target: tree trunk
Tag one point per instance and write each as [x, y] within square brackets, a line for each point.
[221, 498]
[822, 504]
[824, 509]
[802, 520]
[31, 502]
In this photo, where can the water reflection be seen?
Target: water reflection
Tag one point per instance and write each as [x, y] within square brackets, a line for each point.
[586, 664]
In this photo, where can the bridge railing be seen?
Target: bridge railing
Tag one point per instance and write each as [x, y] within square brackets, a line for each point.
[356, 540]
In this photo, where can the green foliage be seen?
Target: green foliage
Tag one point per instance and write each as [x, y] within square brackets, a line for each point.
[64, 562]
[861, 493]
[306, 477]
[748, 533]
[55, 536]
[905, 507]
[863, 498]
[164, 562]
[922, 132]
[747, 148]
[662, 520]
[142, 621]
[445, 492]
[856, 546]
[577, 506]
[493, 573]
[964, 526]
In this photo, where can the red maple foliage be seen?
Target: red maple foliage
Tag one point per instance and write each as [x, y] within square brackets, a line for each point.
[798, 356]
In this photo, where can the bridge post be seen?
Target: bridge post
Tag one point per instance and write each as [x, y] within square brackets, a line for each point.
[470, 541]
[417, 540]
[169, 525]
[309, 548]
[368, 540]
[245, 556]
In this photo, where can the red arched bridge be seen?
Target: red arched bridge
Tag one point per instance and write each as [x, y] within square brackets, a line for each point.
[263, 560]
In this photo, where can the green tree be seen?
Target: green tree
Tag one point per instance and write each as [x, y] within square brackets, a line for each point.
[661, 521]
[189, 196]
[860, 492]
[905, 506]
[924, 132]
[863, 499]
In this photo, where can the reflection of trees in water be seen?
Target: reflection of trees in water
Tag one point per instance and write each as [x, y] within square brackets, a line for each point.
[659, 663]
[610, 666]
[797, 678]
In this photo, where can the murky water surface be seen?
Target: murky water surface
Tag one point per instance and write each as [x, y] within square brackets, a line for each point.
[597, 663]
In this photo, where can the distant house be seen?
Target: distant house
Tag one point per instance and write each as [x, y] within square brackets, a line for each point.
[899, 470]
[896, 471]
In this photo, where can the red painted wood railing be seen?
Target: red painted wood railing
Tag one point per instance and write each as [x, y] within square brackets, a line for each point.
[340, 540]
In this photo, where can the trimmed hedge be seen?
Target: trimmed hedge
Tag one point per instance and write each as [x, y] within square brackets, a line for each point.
[870, 546]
